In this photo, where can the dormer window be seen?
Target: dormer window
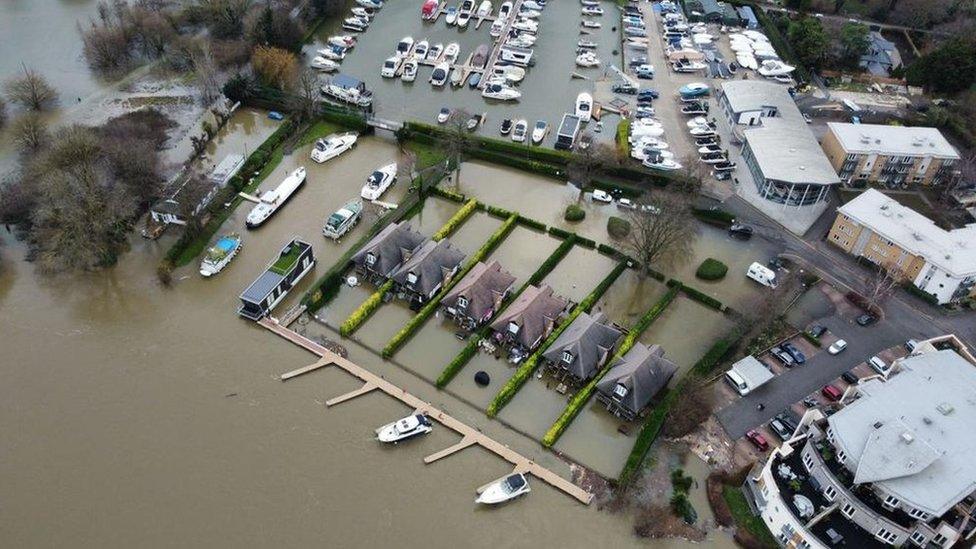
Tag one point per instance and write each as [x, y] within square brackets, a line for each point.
[620, 391]
[370, 259]
[513, 328]
[462, 302]
[411, 279]
[567, 357]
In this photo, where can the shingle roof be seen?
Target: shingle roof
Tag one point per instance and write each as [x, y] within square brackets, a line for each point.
[390, 246]
[589, 339]
[913, 436]
[483, 287]
[534, 311]
[643, 371]
[430, 263]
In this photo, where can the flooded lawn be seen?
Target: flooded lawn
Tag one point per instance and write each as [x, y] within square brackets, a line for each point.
[244, 132]
[523, 251]
[473, 233]
[431, 348]
[498, 369]
[629, 298]
[343, 304]
[686, 330]
[433, 215]
[579, 273]
[594, 441]
[535, 407]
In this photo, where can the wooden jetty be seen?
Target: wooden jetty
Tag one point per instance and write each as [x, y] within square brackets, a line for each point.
[496, 50]
[469, 435]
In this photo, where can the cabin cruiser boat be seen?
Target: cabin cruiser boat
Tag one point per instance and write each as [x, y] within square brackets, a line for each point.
[663, 164]
[775, 68]
[533, 5]
[342, 40]
[404, 46]
[708, 140]
[529, 14]
[390, 67]
[509, 72]
[500, 92]
[725, 166]
[354, 24]
[409, 73]
[404, 428]
[698, 121]
[688, 66]
[457, 76]
[271, 200]
[451, 52]
[504, 489]
[474, 80]
[464, 14]
[476, 120]
[379, 181]
[589, 24]
[587, 59]
[480, 56]
[484, 8]
[443, 115]
[221, 254]
[712, 158]
[647, 142]
[591, 10]
[521, 41]
[374, 4]
[695, 89]
[640, 132]
[702, 131]
[343, 220]
[515, 55]
[710, 148]
[420, 51]
[584, 106]
[694, 108]
[539, 131]
[505, 10]
[323, 64]
[506, 126]
[586, 44]
[497, 27]
[439, 75]
[429, 9]
[336, 53]
[331, 146]
[451, 15]
[526, 25]
[435, 51]
[520, 130]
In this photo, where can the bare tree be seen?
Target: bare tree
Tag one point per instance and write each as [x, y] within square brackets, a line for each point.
[587, 163]
[880, 286]
[31, 90]
[302, 103]
[206, 73]
[456, 140]
[693, 174]
[662, 231]
[29, 133]
[191, 194]
[965, 178]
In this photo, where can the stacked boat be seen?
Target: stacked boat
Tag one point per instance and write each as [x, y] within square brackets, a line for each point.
[329, 58]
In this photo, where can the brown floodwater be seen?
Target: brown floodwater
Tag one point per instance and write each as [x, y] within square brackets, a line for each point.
[138, 415]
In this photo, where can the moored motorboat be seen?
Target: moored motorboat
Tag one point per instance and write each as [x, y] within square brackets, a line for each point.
[587, 59]
[379, 181]
[464, 13]
[500, 92]
[343, 220]
[484, 8]
[435, 51]
[592, 10]
[539, 131]
[271, 201]
[420, 50]
[584, 106]
[443, 115]
[404, 46]
[457, 76]
[451, 15]
[451, 52]
[504, 489]
[476, 120]
[342, 40]
[506, 127]
[325, 65]
[474, 80]
[220, 254]
[505, 9]
[404, 428]
[409, 72]
[439, 75]
[391, 66]
[331, 146]
[590, 24]
[520, 130]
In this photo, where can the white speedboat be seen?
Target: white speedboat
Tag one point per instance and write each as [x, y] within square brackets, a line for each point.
[532, 5]
[526, 25]
[405, 428]
[336, 53]
[325, 65]
[497, 27]
[404, 46]
[590, 2]
[592, 10]
[508, 72]
[590, 24]
[504, 489]
[439, 75]
[342, 40]
[539, 131]
[374, 4]
[435, 51]
[409, 73]
[484, 8]
[390, 67]
[271, 200]
[363, 13]
[420, 51]
[457, 77]
[451, 52]
[379, 181]
[343, 220]
[451, 15]
[520, 130]
[697, 121]
[587, 59]
[772, 67]
[464, 13]
[221, 254]
[443, 115]
[500, 92]
[586, 44]
[504, 10]
[331, 146]
[584, 106]
[354, 24]
[664, 164]
[529, 14]
[521, 41]
[640, 132]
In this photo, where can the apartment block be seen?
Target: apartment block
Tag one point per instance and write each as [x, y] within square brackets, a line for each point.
[908, 244]
[893, 156]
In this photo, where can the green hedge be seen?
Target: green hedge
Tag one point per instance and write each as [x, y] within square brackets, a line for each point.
[525, 371]
[448, 194]
[717, 217]
[456, 220]
[559, 233]
[921, 294]
[702, 298]
[583, 395]
[623, 137]
[574, 213]
[712, 269]
[430, 307]
[462, 358]
[365, 310]
[532, 223]
[815, 341]
[550, 263]
[586, 242]
[618, 227]
[498, 212]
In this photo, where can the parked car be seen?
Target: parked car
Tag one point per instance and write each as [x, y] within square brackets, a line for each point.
[644, 72]
[811, 402]
[911, 345]
[817, 330]
[647, 92]
[797, 354]
[879, 365]
[757, 440]
[624, 87]
[782, 356]
[832, 393]
[837, 347]
[850, 377]
[780, 428]
[866, 319]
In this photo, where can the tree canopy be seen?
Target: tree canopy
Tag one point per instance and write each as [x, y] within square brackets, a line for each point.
[949, 68]
[809, 41]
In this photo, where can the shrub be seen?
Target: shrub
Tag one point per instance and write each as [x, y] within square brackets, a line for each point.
[618, 227]
[559, 233]
[456, 220]
[586, 242]
[448, 194]
[532, 223]
[921, 294]
[498, 212]
[717, 217]
[815, 341]
[365, 310]
[574, 213]
[712, 269]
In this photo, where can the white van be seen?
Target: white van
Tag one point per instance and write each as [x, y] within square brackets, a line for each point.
[879, 365]
[762, 275]
[737, 382]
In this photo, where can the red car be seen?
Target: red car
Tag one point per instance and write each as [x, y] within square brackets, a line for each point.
[832, 393]
[757, 440]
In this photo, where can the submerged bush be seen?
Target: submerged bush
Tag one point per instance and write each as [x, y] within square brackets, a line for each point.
[574, 213]
[712, 269]
[618, 227]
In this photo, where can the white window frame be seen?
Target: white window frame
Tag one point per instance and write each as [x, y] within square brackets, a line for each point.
[462, 302]
[567, 357]
[370, 259]
[411, 279]
[513, 328]
[620, 391]
[830, 493]
[884, 535]
[891, 501]
[848, 510]
[918, 538]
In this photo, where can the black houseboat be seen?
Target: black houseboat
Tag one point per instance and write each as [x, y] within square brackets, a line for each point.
[292, 263]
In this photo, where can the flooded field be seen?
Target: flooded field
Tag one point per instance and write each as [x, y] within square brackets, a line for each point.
[686, 330]
[579, 273]
[548, 90]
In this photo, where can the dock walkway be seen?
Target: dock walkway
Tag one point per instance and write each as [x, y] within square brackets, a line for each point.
[469, 435]
[500, 41]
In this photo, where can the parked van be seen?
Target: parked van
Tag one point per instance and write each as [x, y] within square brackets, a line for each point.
[761, 274]
[737, 382]
[879, 365]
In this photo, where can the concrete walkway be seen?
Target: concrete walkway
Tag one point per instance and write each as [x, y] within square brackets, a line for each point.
[470, 436]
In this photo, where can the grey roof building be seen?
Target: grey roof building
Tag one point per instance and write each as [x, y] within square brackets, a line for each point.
[388, 250]
[633, 381]
[476, 297]
[583, 347]
[882, 56]
[428, 268]
[530, 318]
